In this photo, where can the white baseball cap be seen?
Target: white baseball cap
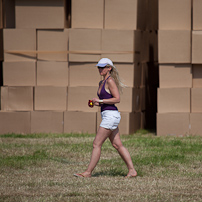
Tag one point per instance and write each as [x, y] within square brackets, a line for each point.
[104, 61]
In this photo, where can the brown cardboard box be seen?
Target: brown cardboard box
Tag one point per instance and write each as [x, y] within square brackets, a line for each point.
[50, 98]
[172, 124]
[19, 73]
[174, 46]
[1, 14]
[175, 76]
[130, 100]
[197, 75]
[85, 40]
[197, 15]
[152, 15]
[122, 41]
[9, 13]
[196, 47]
[83, 74]
[1, 45]
[126, 15]
[17, 98]
[195, 124]
[130, 122]
[173, 100]
[26, 42]
[15, 122]
[88, 14]
[55, 41]
[47, 122]
[131, 74]
[78, 98]
[52, 73]
[196, 99]
[40, 14]
[175, 15]
[153, 46]
[80, 122]
[145, 49]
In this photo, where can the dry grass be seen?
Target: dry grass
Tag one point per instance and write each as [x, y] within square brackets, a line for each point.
[41, 168]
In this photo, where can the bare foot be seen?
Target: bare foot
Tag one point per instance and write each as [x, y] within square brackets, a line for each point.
[131, 173]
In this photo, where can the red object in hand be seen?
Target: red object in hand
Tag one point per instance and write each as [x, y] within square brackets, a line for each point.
[90, 103]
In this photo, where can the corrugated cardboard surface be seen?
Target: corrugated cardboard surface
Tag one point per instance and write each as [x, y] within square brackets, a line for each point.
[88, 14]
[175, 14]
[52, 40]
[196, 47]
[40, 14]
[9, 14]
[121, 14]
[174, 46]
[1, 45]
[83, 74]
[50, 98]
[196, 100]
[197, 15]
[47, 122]
[26, 40]
[50, 73]
[15, 122]
[173, 124]
[78, 98]
[19, 73]
[195, 124]
[173, 100]
[197, 75]
[85, 40]
[17, 98]
[175, 76]
[122, 41]
[80, 122]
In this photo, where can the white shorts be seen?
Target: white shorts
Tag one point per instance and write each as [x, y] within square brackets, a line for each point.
[110, 119]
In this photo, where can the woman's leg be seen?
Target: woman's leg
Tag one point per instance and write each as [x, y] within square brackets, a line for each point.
[100, 137]
[117, 144]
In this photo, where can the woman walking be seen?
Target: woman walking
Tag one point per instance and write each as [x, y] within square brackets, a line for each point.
[108, 93]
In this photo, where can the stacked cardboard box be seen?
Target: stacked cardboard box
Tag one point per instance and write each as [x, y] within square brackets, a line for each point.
[175, 67]
[49, 89]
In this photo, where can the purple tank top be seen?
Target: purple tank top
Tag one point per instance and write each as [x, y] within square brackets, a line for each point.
[105, 95]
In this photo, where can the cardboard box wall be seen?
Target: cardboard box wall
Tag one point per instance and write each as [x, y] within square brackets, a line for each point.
[53, 40]
[197, 75]
[15, 122]
[83, 74]
[196, 47]
[80, 122]
[173, 100]
[49, 14]
[195, 124]
[126, 15]
[26, 41]
[8, 13]
[175, 15]
[174, 46]
[1, 14]
[129, 124]
[152, 15]
[50, 98]
[175, 76]
[85, 40]
[88, 14]
[122, 41]
[1, 45]
[196, 99]
[173, 124]
[47, 122]
[78, 97]
[17, 98]
[197, 15]
[19, 73]
[50, 73]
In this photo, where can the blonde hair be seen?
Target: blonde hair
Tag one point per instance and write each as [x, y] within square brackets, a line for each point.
[115, 75]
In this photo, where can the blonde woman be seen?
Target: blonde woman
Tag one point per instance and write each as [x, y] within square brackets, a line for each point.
[108, 93]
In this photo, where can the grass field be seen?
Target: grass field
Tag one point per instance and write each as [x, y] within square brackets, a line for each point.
[40, 167]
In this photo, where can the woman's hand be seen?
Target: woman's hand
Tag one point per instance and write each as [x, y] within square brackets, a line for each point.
[96, 101]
